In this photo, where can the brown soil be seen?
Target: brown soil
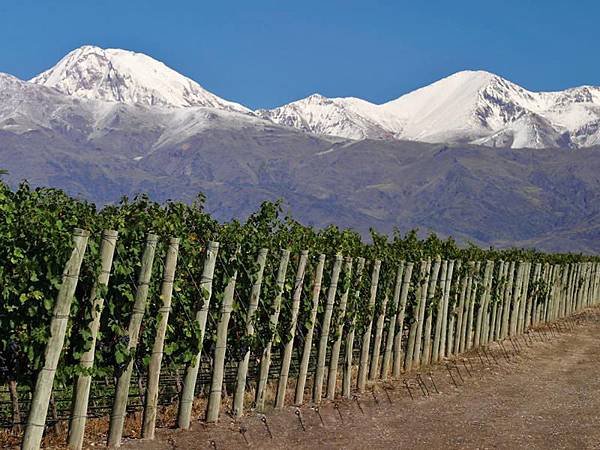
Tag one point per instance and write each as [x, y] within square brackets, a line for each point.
[544, 396]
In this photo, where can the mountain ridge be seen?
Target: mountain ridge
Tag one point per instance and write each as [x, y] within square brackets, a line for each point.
[466, 107]
[471, 106]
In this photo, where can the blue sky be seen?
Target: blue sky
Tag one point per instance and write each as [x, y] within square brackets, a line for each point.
[266, 53]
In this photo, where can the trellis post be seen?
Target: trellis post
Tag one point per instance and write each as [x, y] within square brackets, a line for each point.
[325, 326]
[166, 292]
[36, 420]
[301, 381]
[242, 369]
[289, 345]
[363, 365]
[216, 386]
[265, 360]
[118, 412]
[191, 373]
[81, 392]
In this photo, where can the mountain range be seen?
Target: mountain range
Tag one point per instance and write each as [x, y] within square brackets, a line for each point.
[475, 107]
[104, 123]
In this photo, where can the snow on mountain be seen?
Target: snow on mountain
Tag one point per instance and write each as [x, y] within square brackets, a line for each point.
[467, 107]
[27, 107]
[127, 77]
[346, 117]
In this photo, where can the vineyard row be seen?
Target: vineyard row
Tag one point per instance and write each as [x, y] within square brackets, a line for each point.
[365, 319]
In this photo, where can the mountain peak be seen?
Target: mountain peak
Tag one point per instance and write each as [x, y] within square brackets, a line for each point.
[473, 106]
[128, 77]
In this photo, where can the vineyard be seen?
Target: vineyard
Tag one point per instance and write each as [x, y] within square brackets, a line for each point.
[138, 305]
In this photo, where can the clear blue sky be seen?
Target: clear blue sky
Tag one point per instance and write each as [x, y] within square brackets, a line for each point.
[266, 53]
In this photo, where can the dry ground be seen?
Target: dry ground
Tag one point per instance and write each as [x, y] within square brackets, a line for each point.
[546, 396]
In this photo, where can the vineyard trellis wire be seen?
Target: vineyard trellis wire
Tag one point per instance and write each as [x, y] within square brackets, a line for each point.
[285, 315]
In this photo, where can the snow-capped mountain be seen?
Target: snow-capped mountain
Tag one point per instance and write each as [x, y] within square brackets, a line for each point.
[467, 107]
[475, 107]
[350, 117]
[127, 77]
[27, 107]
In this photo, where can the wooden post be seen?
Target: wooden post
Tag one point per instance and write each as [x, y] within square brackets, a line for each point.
[461, 313]
[557, 290]
[349, 350]
[242, 370]
[166, 291]
[375, 371]
[325, 325]
[485, 327]
[301, 382]
[289, 345]
[363, 365]
[117, 416]
[81, 391]
[570, 292]
[453, 325]
[439, 316]
[465, 320]
[265, 360]
[337, 345]
[507, 301]
[508, 271]
[493, 331]
[597, 288]
[391, 334]
[548, 281]
[422, 308]
[583, 288]
[594, 283]
[516, 299]
[398, 353]
[425, 306]
[422, 283]
[578, 288]
[585, 272]
[36, 421]
[570, 285]
[431, 297]
[445, 325]
[531, 306]
[523, 300]
[481, 311]
[564, 288]
[472, 299]
[553, 291]
[191, 373]
[588, 277]
[216, 386]
[452, 314]
[573, 289]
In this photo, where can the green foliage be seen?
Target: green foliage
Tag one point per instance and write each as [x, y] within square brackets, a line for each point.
[35, 242]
